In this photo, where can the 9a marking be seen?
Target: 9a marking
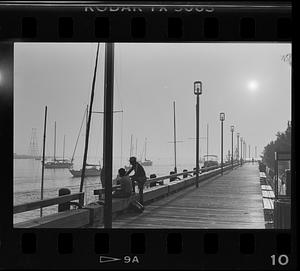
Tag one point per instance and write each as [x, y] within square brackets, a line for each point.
[282, 259]
[133, 259]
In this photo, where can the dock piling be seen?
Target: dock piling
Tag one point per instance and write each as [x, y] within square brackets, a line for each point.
[64, 206]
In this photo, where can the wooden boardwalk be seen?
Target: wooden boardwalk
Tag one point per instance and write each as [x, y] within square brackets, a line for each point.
[231, 201]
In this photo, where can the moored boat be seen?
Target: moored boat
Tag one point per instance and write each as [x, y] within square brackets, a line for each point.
[58, 163]
[90, 171]
[210, 160]
[146, 163]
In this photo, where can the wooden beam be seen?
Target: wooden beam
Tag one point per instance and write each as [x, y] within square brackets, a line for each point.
[47, 202]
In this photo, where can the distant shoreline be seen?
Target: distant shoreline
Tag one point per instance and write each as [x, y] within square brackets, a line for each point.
[26, 156]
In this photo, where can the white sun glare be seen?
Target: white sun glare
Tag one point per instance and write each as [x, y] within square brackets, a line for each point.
[253, 85]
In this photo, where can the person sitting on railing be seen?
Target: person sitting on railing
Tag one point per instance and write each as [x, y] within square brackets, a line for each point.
[126, 186]
[139, 176]
[173, 178]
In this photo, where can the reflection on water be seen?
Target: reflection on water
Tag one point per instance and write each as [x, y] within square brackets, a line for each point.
[27, 183]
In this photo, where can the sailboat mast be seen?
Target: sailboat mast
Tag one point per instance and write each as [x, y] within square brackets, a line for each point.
[130, 146]
[136, 147]
[54, 153]
[207, 141]
[88, 123]
[145, 148]
[175, 162]
[43, 160]
[64, 149]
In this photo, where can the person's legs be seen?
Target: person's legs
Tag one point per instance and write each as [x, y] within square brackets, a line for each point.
[141, 191]
[133, 186]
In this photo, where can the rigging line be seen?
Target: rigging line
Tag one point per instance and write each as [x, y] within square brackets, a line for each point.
[89, 121]
[78, 135]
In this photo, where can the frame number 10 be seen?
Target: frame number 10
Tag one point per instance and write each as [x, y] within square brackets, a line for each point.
[281, 259]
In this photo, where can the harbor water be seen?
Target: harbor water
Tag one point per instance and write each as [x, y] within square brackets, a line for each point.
[27, 183]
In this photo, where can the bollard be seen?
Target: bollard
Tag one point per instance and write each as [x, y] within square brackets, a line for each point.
[64, 206]
[172, 178]
[184, 175]
[152, 176]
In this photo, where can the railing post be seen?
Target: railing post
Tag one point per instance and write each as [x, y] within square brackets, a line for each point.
[172, 178]
[81, 199]
[152, 176]
[184, 175]
[64, 206]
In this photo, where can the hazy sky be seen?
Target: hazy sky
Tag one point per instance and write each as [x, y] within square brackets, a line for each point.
[249, 82]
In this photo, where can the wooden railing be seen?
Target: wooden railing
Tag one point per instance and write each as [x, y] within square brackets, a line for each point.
[92, 215]
[165, 177]
[24, 207]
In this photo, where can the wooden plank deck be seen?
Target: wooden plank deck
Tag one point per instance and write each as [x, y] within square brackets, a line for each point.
[231, 201]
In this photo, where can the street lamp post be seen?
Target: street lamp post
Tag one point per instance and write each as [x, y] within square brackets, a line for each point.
[232, 130]
[249, 153]
[197, 92]
[255, 153]
[241, 151]
[222, 118]
[237, 143]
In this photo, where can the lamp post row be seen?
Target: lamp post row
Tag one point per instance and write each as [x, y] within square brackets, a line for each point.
[222, 118]
[197, 92]
[241, 151]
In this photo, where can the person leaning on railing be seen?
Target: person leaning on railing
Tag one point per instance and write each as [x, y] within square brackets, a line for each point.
[139, 177]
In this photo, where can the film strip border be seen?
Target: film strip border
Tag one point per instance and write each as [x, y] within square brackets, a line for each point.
[154, 248]
[145, 23]
[139, 249]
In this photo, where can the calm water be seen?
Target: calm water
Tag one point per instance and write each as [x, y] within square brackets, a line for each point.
[27, 183]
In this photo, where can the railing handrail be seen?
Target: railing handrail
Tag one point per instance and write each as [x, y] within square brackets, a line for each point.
[24, 207]
[152, 180]
[201, 170]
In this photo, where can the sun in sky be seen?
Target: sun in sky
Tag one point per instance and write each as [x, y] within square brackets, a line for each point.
[253, 85]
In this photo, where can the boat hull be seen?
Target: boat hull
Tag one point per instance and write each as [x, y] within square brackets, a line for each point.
[88, 172]
[58, 165]
[147, 163]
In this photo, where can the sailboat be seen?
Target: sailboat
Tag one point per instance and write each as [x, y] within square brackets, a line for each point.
[91, 170]
[146, 162]
[58, 163]
[210, 160]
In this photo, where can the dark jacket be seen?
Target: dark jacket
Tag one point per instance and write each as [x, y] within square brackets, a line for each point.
[139, 172]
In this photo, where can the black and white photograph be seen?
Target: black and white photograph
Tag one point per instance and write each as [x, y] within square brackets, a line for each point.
[201, 135]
